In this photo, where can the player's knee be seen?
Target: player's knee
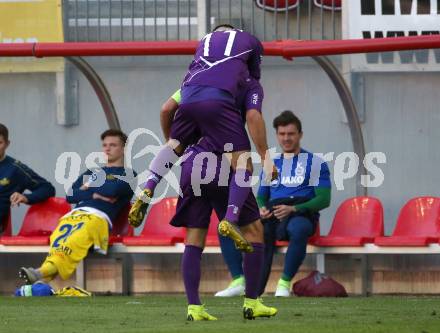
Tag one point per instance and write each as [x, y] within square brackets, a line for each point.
[178, 147]
[254, 232]
[299, 230]
[195, 237]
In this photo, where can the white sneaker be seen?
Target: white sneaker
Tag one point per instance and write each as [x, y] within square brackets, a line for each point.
[235, 288]
[283, 289]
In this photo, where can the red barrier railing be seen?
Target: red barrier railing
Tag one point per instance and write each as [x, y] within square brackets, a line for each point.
[285, 48]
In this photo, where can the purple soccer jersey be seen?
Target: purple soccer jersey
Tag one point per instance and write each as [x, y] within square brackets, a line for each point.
[195, 211]
[224, 59]
[250, 97]
[222, 124]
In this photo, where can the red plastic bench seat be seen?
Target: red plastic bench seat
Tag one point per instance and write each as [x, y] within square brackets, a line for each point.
[39, 222]
[157, 230]
[405, 241]
[418, 224]
[357, 221]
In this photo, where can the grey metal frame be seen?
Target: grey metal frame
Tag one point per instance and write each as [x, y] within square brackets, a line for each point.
[353, 120]
[100, 90]
[127, 20]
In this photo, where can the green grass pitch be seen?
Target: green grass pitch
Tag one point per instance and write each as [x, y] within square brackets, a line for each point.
[157, 314]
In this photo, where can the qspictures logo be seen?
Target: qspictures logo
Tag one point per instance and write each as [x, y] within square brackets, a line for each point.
[346, 166]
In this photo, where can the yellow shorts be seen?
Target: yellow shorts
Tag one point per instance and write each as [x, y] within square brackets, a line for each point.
[72, 239]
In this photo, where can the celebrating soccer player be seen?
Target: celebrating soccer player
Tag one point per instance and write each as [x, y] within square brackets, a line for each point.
[195, 207]
[223, 61]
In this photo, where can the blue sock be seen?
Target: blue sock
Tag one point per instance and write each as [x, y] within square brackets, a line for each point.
[232, 257]
[299, 230]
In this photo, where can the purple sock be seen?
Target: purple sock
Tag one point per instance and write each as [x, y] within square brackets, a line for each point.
[238, 193]
[191, 273]
[152, 181]
[253, 268]
[160, 165]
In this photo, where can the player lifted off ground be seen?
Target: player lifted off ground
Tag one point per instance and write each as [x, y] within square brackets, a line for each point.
[194, 208]
[249, 103]
[99, 197]
[223, 61]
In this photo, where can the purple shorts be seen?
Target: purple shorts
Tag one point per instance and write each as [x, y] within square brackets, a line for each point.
[194, 211]
[217, 122]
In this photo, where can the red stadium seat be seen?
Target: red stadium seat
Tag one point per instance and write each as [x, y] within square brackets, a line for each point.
[39, 222]
[212, 236]
[357, 221]
[277, 5]
[328, 4]
[157, 230]
[7, 232]
[418, 224]
[315, 236]
[121, 227]
[311, 240]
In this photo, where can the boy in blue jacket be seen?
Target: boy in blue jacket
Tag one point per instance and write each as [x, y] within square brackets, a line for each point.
[15, 178]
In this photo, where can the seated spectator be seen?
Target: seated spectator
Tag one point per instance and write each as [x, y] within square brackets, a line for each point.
[87, 225]
[290, 205]
[15, 178]
[289, 208]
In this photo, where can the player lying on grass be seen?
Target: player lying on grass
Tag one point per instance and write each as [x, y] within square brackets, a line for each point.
[99, 197]
[15, 178]
[224, 59]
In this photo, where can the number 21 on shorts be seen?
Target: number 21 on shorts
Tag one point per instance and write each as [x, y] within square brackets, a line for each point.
[66, 230]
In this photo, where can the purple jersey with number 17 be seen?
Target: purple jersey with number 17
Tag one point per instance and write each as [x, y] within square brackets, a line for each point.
[224, 59]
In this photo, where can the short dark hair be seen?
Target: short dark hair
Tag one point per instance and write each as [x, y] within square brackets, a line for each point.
[4, 132]
[285, 118]
[225, 25]
[115, 132]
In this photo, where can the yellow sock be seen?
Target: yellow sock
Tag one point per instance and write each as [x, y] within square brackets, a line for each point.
[48, 270]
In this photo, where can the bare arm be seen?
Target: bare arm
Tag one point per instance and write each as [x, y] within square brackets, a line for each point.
[257, 131]
[167, 112]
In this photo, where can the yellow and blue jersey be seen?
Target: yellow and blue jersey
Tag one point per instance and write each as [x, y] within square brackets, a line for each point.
[111, 187]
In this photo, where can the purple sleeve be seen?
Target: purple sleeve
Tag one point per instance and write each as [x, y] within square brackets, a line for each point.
[254, 61]
[254, 97]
